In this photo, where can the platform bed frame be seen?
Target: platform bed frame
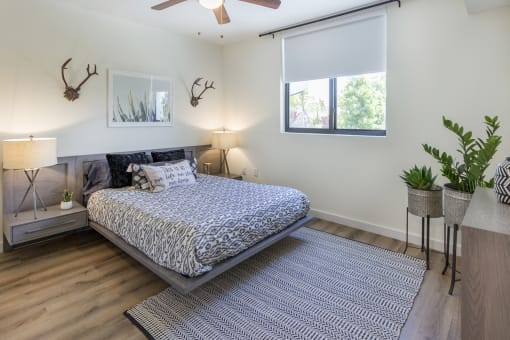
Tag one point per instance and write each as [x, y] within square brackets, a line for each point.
[185, 284]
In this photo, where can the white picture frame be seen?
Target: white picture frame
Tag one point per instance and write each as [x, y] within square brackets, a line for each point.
[139, 100]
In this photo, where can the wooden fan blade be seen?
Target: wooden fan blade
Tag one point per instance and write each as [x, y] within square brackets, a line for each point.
[221, 15]
[166, 4]
[266, 3]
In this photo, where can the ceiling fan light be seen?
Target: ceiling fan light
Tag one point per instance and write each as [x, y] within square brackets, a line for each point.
[210, 4]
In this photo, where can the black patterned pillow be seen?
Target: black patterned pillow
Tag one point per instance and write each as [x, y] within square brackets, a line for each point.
[194, 165]
[166, 156]
[139, 179]
[119, 163]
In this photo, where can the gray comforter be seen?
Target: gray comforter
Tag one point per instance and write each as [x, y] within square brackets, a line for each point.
[190, 228]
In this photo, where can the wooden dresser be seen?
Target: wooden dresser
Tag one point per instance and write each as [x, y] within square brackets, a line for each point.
[485, 300]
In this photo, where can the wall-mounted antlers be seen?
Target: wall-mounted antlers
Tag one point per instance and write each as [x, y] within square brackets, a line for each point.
[73, 93]
[207, 86]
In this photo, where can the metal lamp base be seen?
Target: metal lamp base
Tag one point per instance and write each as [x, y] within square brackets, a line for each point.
[224, 162]
[31, 176]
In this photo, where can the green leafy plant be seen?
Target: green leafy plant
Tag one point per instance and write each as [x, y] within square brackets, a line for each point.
[67, 196]
[476, 155]
[362, 103]
[141, 110]
[419, 178]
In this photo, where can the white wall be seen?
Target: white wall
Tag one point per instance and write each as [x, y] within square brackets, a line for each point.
[475, 6]
[36, 38]
[440, 61]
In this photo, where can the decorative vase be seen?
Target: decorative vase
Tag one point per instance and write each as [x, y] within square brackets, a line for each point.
[455, 205]
[425, 202]
[502, 182]
[66, 205]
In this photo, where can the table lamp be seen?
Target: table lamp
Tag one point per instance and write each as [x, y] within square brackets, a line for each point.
[224, 140]
[30, 155]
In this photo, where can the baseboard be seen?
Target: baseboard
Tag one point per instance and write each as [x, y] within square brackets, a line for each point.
[414, 238]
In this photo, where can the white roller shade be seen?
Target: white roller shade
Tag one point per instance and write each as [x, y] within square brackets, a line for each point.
[353, 48]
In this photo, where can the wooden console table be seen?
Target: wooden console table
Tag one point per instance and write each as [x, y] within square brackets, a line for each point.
[485, 297]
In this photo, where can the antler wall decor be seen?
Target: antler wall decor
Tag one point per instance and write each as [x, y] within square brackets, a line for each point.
[73, 93]
[207, 86]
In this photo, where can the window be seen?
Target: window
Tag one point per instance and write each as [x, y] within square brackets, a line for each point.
[335, 79]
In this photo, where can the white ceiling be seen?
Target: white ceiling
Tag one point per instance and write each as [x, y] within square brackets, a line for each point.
[247, 20]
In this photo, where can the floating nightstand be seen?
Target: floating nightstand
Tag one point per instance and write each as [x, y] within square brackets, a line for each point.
[23, 228]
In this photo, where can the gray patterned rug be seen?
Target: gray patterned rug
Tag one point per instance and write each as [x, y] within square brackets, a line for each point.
[311, 285]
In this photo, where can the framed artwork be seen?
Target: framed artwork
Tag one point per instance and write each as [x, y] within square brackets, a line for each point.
[139, 100]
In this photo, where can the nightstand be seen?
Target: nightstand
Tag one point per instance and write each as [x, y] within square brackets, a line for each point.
[232, 176]
[24, 228]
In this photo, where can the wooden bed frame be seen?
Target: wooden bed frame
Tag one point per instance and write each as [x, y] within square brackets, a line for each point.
[181, 283]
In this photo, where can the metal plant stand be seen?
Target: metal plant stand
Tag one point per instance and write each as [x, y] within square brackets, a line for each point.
[454, 256]
[425, 242]
[456, 204]
[426, 204]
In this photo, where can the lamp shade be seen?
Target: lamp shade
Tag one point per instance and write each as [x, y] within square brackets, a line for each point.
[224, 140]
[29, 153]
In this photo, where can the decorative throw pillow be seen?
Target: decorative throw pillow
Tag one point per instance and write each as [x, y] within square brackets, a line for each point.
[139, 180]
[194, 165]
[166, 156]
[168, 176]
[119, 163]
[97, 178]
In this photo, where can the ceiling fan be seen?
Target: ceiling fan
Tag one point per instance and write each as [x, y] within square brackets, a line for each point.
[218, 7]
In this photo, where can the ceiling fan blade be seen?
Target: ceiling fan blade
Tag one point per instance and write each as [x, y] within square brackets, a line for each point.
[221, 15]
[166, 4]
[266, 3]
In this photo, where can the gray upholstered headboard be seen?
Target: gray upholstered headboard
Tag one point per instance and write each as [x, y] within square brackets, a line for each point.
[203, 153]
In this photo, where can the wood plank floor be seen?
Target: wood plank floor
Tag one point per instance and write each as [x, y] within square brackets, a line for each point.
[78, 287]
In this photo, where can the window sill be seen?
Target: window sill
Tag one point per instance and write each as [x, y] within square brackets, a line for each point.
[347, 133]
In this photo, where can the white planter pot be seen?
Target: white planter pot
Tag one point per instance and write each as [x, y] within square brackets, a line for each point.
[66, 205]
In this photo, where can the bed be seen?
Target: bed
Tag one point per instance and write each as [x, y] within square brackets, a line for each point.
[192, 233]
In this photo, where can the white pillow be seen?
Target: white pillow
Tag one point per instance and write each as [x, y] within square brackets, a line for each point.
[168, 176]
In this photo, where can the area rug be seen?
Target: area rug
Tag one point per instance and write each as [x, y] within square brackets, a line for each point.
[310, 285]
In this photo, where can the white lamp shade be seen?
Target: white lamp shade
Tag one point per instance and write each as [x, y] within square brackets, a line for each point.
[211, 4]
[29, 153]
[224, 140]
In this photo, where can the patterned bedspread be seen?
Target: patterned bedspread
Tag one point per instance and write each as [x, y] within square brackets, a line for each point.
[190, 228]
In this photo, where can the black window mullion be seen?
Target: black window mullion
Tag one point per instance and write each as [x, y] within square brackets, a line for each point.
[287, 106]
[333, 109]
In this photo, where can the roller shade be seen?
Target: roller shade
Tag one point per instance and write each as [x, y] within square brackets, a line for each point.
[353, 48]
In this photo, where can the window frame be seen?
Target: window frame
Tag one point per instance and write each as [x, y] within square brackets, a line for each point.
[333, 115]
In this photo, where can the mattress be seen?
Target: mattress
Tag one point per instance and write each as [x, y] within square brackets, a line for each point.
[191, 228]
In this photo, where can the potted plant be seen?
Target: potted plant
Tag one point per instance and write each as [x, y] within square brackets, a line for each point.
[424, 198]
[466, 175]
[67, 200]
